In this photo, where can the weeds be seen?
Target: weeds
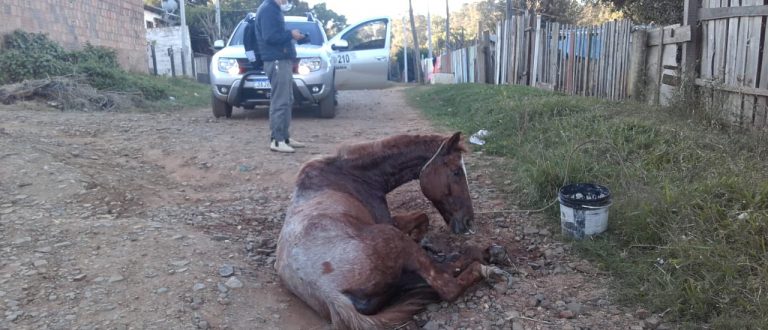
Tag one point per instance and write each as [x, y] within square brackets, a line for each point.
[689, 223]
[33, 56]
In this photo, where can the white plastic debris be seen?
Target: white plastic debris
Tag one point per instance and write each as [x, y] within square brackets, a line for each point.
[477, 138]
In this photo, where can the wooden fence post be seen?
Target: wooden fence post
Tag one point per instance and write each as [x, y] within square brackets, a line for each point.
[692, 49]
[637, 64]
[536, 50]
[487, 58]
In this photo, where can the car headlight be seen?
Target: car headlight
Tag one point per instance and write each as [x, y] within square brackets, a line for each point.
[229, 65]
[311, 64]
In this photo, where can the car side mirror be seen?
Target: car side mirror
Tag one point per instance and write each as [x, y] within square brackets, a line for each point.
[340, 45]
[218, 44]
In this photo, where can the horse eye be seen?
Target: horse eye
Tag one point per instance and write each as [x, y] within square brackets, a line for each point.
[458, 172]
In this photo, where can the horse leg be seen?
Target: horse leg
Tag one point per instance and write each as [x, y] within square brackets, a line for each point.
[414, 224]
[443, 282]
[461, 261]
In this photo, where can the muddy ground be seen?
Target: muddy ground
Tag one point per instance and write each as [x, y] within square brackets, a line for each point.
[137, 220]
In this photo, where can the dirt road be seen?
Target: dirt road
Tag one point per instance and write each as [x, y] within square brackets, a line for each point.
[136, 221]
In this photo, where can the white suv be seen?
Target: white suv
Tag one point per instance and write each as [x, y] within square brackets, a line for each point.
[356, 58]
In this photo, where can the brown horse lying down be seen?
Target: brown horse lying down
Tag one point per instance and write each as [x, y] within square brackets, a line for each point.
[342, 252]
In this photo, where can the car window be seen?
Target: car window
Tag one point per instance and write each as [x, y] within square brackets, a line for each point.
[370, 35]
[311, 28]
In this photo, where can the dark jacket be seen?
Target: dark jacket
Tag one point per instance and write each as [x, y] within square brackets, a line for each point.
[275, 42]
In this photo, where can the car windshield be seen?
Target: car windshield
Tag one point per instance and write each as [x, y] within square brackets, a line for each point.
[311, 28]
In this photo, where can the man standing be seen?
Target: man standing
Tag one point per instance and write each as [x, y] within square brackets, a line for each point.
[278, 52]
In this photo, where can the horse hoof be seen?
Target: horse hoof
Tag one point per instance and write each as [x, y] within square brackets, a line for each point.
[490, 273]
[498, 255]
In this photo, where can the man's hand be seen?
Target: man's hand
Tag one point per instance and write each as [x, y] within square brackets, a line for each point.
[297, 35]
[251, 56]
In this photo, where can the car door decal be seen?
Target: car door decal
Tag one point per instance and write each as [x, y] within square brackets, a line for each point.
[343, 61]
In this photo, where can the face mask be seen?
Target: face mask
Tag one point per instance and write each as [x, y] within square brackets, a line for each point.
[286, 7]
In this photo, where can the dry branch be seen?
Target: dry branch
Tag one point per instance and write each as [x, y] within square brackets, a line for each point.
[64, 93]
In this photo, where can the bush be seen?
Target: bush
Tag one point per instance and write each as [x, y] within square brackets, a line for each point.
[21, 65]
[34, 56]
[31, 56]
[95, 54]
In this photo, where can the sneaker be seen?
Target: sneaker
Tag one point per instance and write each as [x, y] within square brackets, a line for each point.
[294, 143]
[280, 146]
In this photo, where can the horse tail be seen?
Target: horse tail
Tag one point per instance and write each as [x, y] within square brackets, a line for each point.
[345, 316]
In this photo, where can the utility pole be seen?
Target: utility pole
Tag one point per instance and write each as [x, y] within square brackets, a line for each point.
[405, 52]
[183, 16]
[429, 33]
[416, 46]
[218, 19]
[448, 27]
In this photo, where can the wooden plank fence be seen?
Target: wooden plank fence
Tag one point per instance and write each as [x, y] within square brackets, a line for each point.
[734, 61]
[589, 61]
[721, 47]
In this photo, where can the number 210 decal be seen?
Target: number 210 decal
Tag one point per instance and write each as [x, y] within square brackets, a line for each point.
[342, 59]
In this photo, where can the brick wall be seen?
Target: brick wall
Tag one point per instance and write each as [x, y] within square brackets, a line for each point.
[117, 24]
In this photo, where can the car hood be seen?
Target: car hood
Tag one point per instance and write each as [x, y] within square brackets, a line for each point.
[301, 51]
[232, 52]
[308, 50]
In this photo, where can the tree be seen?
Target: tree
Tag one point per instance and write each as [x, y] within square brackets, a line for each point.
[332, 22]
[563, 11]
[598, 12]
[663, 12]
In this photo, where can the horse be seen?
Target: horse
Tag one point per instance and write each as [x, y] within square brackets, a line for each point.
[343, 253]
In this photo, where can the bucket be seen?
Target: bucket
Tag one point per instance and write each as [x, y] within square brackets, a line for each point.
[584, 209]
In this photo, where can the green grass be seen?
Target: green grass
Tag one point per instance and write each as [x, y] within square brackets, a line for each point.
[186, 93]
[688, 230]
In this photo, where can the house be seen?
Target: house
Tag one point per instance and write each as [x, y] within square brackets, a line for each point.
[153, 17]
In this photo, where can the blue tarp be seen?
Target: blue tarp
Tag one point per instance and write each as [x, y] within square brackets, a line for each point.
[580, 44]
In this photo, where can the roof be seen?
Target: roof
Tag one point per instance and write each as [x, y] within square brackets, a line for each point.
[154, 9]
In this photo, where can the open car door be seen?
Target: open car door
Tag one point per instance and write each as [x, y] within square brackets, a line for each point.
[361, 55]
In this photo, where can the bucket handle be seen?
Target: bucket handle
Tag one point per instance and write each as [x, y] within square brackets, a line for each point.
[597, 207]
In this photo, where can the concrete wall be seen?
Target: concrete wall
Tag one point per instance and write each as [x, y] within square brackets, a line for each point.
[164, 38]
[117, 24]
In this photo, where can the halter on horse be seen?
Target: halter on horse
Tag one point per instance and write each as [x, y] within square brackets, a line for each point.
[347, 257]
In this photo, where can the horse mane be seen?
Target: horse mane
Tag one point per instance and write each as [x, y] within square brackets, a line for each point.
[368, 153]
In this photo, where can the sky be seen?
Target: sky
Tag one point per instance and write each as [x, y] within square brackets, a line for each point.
[356, 10]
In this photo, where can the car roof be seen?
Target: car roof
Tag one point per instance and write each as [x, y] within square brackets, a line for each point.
[287, 18]
[297, 19]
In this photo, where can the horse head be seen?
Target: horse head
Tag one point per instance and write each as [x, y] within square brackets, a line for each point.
[444, 182]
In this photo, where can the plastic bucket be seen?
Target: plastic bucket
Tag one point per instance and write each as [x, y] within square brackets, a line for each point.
[584, 209]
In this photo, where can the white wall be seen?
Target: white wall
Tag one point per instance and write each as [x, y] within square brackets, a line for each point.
[164, 38]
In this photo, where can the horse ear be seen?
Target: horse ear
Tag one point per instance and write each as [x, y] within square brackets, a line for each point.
[452, 144]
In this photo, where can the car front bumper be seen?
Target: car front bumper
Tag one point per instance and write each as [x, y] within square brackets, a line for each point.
[307, 89]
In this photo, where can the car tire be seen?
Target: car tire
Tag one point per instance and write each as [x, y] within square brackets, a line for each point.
[328, 106]
[220, 108]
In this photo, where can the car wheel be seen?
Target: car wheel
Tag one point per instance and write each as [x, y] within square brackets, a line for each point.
[328, 106]
[220, 108]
